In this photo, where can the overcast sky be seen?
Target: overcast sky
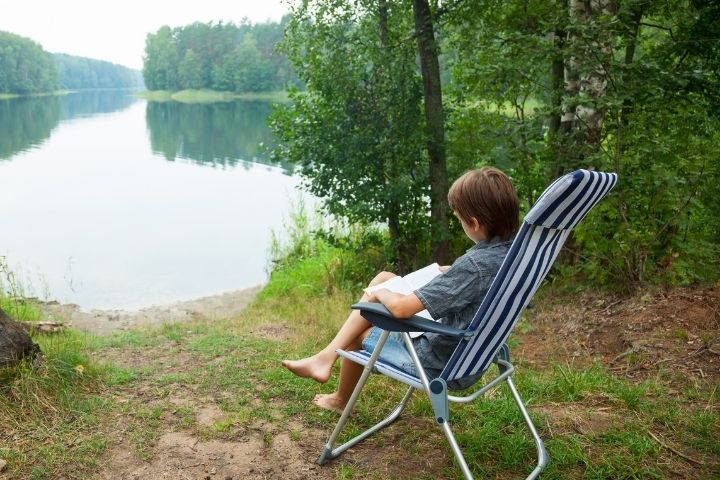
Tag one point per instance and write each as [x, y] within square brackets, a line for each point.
[115, 30]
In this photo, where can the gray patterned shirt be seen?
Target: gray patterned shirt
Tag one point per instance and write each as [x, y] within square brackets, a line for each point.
[454, 297]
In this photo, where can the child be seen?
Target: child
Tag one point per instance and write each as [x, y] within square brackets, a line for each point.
[486, 204]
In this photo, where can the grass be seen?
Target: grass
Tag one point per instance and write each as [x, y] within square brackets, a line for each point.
[207, 96]
[52, 409]
[56, 405]
[60, 416]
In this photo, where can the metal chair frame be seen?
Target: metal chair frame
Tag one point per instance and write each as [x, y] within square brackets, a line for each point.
[438, 394]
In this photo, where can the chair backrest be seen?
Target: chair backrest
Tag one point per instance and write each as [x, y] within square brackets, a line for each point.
[541, 236]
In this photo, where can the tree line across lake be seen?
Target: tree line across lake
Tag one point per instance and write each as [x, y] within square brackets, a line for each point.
[217, 56]
[25, 68]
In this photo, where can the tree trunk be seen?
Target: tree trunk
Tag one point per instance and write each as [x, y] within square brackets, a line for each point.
[434, 129]
[15, 342]
[593, 80]
[557, 72]
[557, 134]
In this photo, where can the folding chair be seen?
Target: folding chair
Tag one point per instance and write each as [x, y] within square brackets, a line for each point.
[541, 236]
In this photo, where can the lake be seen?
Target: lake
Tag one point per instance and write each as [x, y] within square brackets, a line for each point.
[110, 201]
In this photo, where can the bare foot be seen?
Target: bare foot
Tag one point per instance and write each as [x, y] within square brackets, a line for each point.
[314, 367]
[330, 401]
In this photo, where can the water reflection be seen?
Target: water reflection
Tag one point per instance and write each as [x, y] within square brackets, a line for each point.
[26, 122]
[216, 134]
[93, 102]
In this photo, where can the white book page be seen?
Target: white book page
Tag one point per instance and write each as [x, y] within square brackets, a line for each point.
[408, 284]
[421, 277]
[395, 284]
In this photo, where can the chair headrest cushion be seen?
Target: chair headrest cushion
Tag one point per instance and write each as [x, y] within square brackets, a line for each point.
[569, 198]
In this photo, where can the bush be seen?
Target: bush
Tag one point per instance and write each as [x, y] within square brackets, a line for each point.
[317, 259]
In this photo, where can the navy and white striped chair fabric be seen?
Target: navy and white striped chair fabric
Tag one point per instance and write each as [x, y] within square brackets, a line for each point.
[540, 238]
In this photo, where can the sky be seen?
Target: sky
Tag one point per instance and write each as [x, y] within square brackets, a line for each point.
[115, 31]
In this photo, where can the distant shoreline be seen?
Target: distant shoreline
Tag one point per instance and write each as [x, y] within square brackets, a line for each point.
[199, 96]
[7, 96]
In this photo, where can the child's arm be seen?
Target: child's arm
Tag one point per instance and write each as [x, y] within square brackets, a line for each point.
[401, 306]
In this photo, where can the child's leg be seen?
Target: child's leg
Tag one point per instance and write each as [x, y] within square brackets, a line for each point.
[351, 334]
[350, 373]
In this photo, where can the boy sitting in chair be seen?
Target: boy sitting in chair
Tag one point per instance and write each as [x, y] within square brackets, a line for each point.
[486, 204]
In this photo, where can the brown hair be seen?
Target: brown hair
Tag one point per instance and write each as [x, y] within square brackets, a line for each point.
[488, 195]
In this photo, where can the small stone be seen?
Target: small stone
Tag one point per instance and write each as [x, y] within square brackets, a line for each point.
[2, 464]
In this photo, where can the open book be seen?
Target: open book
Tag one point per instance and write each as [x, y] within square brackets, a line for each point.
[408, 284]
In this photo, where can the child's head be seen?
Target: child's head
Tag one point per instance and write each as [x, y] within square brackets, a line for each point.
[487, 195]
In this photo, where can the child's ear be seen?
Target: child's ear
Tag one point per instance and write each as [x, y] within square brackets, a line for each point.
[474, 224]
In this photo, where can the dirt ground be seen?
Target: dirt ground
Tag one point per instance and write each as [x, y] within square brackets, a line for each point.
[675, 333]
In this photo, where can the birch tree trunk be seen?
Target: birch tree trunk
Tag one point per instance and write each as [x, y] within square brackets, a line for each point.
[586, 79]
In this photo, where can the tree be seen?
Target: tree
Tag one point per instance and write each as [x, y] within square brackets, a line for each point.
[161, 60]
[25, 68]
[356, 133]
[190, 71]
[540, 88]
[434, 127]
[86, 73]
[221, 56]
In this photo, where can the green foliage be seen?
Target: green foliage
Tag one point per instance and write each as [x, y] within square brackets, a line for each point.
[356, 133]
[218, 56]
[86, 73]
[630, 88]
[190, 71]
[317, 259]
[25, 68]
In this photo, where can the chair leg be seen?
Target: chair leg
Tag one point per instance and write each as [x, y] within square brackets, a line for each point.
[543, 457]
[328, 453]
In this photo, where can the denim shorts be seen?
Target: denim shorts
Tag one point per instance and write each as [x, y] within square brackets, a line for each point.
[393, 352]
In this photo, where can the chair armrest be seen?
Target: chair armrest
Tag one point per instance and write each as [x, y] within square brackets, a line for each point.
[380, 316]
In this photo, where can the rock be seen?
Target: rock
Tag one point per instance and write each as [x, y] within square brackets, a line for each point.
[3, 463]
[15, 342]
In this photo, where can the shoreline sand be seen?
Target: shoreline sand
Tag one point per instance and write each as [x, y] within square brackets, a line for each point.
[105, 322]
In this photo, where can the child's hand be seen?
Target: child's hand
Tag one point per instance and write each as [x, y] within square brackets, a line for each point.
[444, 268]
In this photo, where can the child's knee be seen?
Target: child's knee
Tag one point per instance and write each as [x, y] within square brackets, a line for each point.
[382, 277]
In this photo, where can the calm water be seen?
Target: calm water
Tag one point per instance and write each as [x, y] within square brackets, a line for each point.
[108, 201]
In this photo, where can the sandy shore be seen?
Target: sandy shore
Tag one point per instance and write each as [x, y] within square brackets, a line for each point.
[104, 322]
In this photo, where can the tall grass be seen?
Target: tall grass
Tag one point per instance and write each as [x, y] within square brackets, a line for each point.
[12, 296]
[51, 402]
[319, 257]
